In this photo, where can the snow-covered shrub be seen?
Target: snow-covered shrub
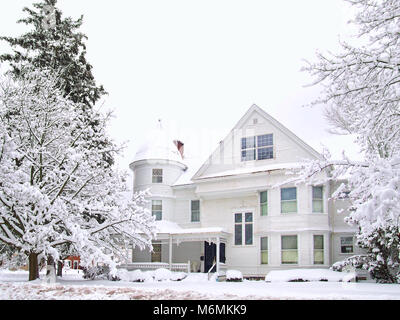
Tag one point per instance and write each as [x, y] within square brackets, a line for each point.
[162, 274]
[298, 280]
[234, 276]
[357, 261]
[149, 276]
[99, 273]
[178, 276]
[134, 276]
[306, 275]
[140, 276]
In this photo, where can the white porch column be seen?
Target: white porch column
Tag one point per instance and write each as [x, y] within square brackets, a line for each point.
[217, 254]
[170, 252]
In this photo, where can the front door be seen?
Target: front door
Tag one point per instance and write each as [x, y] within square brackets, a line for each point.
[210, 251]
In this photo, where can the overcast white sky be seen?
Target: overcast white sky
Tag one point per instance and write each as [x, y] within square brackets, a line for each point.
[199, 65]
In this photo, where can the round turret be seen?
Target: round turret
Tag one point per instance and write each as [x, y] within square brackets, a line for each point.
[157, 165]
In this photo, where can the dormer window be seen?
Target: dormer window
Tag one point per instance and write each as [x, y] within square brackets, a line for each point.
[157, 176]
[258, 147]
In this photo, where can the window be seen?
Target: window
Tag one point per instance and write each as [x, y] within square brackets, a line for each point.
[288, 200]
[195, 210]
[264, 203]
[156, 253]
[265, 148]
[157, 176]
[244, 226]
[238, 229]
[289, 250]
[257, 147]
[248, 149]
[317, 199]
[248, 227]
[318, 249]
[264, 250]
[346, 245]
[156, 209]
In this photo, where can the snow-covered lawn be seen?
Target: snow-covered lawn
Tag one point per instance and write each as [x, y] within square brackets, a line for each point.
[14, 286]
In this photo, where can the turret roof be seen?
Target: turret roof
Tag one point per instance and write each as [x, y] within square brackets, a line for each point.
[158, 146]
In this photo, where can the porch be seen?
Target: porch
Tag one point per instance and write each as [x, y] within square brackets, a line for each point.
[185, 250]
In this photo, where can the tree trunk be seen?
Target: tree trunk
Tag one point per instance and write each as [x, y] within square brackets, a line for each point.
[59, 268]
[33, 267]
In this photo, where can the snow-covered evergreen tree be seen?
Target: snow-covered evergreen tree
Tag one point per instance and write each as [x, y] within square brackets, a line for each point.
[54, 42]
[57, 195]
[362, 92]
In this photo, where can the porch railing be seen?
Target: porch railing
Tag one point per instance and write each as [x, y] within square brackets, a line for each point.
[183, 267]
[209, 271]
[222, 270]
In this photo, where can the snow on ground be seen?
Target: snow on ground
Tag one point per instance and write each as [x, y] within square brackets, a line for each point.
[309, 275]
[14, 286]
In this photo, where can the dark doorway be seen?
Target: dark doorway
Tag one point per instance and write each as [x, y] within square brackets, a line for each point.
[210, 251]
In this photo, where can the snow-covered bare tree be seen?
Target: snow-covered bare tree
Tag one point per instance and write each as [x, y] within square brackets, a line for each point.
[361, 91]
[57, 195]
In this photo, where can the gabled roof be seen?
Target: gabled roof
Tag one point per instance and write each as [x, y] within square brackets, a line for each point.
[256, 109]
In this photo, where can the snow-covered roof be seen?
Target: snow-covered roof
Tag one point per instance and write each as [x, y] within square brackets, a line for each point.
[158, 146]
[165, 226]
[193, 165]
[253, 169]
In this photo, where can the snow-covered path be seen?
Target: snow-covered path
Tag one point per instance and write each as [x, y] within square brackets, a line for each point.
[15, 287]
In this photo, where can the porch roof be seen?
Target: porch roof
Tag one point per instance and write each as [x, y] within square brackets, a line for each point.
[170, 228]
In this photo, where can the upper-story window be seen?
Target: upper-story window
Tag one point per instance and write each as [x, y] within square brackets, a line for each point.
[289, 200]
[156, 209]
[195, 210]
[258, 147]
[264, 203]
[157, 176]
[317, 199]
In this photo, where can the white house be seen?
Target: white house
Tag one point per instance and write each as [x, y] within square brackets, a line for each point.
[231, 208]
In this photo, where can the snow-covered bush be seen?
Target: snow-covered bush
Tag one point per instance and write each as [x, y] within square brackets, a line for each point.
[99, 273]
[145, 276]
[356, 261]
[306, 275]
[234, 276]
[178, 276]
[162, 274]
[139, 276]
